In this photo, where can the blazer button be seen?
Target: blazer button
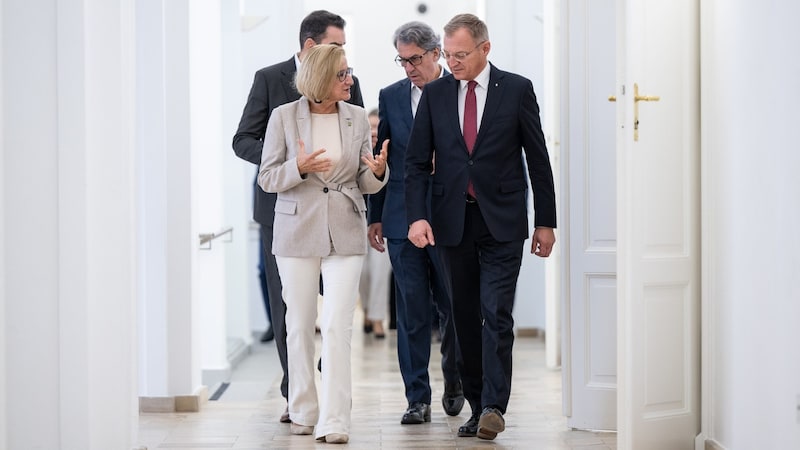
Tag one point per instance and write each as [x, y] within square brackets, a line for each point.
[469, 163]
[325, 190]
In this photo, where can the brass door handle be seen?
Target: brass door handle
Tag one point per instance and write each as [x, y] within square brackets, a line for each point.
[636, 99]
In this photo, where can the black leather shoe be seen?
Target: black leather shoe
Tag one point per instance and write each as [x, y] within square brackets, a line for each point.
[453, 398]
[491, 423]
[417, 413]
[470, 427]
[268, 335]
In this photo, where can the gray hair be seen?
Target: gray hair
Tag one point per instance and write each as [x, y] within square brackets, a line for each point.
[417, 33]
[476, 27]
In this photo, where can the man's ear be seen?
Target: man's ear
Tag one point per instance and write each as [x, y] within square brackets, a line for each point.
[308, 43]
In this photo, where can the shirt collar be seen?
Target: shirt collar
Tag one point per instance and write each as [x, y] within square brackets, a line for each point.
[482, 78]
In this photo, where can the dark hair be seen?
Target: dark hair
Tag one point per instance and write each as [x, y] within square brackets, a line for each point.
[315, 25]
[477, 29]
[416, 33]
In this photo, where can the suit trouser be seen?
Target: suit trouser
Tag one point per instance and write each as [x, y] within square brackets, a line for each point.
[276, 305]
[331, 411]
[418, 281]
[483, 274]
[375, 284]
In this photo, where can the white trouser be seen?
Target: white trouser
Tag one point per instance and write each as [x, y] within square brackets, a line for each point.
[373, 288]
[299, 276]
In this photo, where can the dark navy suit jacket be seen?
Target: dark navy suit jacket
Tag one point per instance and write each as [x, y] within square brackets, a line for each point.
[389, 205]
[510, 123]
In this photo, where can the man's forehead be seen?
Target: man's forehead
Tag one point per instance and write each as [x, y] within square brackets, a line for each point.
[334, 35]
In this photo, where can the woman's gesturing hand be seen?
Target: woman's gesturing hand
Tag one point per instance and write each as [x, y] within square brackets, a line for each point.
[377, 163]
[307, 163]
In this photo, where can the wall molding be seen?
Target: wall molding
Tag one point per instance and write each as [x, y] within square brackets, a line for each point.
[175, 404]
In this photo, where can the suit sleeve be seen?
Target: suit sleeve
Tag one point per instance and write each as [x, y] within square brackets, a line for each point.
[418, 163]
[539, 170]
[249, 137]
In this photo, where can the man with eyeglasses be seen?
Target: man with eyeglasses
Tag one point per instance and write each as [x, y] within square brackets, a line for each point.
[480, 122]
[273, 86]
[416, 270]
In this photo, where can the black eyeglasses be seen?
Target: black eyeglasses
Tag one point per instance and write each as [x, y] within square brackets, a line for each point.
[342, 74]
[459, 56]
[414, 60]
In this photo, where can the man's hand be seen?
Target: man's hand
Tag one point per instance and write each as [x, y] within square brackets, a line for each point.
[375, 236]
[542, 242]
[420, 233]
[311, 163]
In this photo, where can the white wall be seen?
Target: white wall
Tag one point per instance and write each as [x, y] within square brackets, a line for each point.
[751, 377]
[3, 418]
[68, 233]
[169, 360]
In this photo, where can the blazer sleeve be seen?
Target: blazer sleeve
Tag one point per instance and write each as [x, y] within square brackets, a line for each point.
[538, 162]
[248, 140]
[278, 171]
[418, 162]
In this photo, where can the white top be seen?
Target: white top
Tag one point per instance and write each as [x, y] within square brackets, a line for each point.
[416, 94]
[325, 134]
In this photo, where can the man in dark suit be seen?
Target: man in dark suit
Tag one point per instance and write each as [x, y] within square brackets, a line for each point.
[273, 86]
[416, 270]
[478, 215]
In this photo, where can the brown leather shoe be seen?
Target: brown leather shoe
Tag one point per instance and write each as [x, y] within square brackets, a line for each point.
[491, 423]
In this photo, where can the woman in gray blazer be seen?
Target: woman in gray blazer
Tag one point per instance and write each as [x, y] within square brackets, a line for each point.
[320, 227]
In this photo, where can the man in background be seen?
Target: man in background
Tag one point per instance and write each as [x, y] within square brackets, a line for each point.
[416, 270]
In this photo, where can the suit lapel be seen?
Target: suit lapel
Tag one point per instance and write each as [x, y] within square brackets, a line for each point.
[451, 99]
[494, 95]
[405, 102]
[287, 79]
[347, 128]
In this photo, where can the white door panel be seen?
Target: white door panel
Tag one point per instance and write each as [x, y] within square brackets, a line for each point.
[590, 378]
[658, 223]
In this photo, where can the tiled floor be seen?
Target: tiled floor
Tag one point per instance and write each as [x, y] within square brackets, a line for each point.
[246, 415]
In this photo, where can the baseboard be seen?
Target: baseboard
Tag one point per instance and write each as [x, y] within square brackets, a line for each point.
[530, 332]
[702, 443]
[178, 403]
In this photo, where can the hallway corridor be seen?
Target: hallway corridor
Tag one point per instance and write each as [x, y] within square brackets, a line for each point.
[246, 414]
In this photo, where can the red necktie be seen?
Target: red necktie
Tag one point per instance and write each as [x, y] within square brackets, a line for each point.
[470, 124]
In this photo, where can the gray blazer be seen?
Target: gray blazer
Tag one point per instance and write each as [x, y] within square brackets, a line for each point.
[310, 212]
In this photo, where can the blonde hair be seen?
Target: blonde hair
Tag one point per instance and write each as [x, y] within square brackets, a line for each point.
[319, 68]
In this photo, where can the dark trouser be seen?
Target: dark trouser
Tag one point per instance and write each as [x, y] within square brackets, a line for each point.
[276, 305]
[483, 274]
[417, 281]
[262, 278]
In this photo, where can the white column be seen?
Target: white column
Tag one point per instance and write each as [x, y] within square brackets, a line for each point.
[205, 98]
[3, 418]
[69, 260]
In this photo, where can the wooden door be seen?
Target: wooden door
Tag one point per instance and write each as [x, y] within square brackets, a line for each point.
[658, 224]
